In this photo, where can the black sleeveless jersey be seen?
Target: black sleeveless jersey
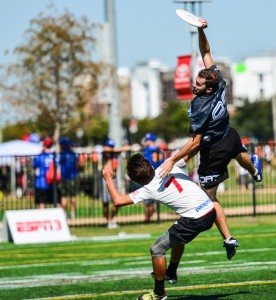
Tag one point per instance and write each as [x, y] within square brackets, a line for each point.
[208, 114]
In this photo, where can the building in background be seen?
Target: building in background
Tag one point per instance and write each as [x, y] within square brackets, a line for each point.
[146, 89]
[168, 92]
[254, 78]
[124, 81]
[224, 65]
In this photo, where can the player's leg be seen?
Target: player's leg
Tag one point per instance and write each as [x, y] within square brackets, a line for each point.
[112, 222]
[212, 171]
[230, 243]
[73, 207]
[171, 272]
[106, 210]
[158, 250]
[221, 221]
[151, 210]
[252, 164]
[72, 194]
[148, 210]
[64, 203]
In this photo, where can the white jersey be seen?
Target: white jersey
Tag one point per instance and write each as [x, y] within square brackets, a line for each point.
[176, 191]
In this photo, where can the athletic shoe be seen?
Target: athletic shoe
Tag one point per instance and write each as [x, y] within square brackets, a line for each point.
[258, 165]
[112, 225]
[172, 279]
[152, 296]
[231, 247]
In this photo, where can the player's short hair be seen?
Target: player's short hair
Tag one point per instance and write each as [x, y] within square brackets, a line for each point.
[139, 169]
[211, 78]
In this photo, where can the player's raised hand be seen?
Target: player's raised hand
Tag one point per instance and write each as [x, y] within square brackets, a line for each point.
[107, 172]
[166, 168]
[203, 22]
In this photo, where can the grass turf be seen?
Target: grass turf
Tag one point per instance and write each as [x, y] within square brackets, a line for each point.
[120, 269]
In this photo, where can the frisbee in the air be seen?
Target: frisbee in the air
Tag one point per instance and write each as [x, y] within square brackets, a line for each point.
[188, 17]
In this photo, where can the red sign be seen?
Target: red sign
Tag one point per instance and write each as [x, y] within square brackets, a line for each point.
[182, 78]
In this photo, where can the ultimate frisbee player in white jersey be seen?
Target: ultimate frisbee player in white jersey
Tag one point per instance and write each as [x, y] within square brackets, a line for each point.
[177, 191]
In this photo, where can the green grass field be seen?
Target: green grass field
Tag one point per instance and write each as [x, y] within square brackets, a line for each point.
[93, 267]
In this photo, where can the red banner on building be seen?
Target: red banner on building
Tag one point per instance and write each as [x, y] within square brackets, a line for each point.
[182, 78]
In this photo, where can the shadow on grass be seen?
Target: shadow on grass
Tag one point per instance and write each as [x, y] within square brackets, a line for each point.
[208, 297]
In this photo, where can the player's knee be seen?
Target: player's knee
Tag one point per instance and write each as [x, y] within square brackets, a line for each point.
[160, 246]
[157, 251]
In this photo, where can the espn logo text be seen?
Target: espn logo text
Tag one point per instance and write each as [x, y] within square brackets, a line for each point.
[38, 226]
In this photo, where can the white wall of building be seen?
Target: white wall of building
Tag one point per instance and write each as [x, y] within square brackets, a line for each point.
[257, 80]
[146, 90]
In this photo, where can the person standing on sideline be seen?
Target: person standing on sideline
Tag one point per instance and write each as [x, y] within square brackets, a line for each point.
[69, 173]
[212, 136]
[242, 176]
[44, 193]
[177, 191]
[109, 157]
[156, 157]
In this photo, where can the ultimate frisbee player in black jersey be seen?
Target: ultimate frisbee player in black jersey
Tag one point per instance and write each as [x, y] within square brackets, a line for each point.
[216, 141]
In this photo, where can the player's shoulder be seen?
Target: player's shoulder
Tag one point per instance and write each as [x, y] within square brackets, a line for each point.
[178, 170]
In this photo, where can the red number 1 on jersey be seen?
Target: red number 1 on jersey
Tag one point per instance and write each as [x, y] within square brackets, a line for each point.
[174, 181]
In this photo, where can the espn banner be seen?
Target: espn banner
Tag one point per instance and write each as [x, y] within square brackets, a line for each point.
[182, 78]
[35, 226]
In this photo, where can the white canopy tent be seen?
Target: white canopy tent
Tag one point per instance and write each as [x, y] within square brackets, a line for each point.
[19, 148]
[9, 150]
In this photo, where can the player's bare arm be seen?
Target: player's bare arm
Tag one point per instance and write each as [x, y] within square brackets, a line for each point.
[117, 198]
[189, 150]
[204, 46]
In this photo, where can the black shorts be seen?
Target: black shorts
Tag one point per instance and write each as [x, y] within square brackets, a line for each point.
[215, 159]
[69, 187]
[186, 229]
[46, 196]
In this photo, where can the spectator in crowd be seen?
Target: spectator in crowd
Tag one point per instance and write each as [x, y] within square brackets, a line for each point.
[109, 156]
[156, 157]
[268, 154]
[177, 191]
[243, 177]
[5, 175]
[46, 191]
[69, 173]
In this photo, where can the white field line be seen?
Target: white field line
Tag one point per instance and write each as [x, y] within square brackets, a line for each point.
[121, 236]
[121, 260]
[186, 288]
[121, 274]
[109, 275]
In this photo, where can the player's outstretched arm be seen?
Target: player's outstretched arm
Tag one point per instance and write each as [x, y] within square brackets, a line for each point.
[117, 198]
[187, 151]
[204, 46]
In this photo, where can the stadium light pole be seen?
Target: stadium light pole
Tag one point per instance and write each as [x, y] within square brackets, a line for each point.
[194, 7]
[115, 120]
[115, 126]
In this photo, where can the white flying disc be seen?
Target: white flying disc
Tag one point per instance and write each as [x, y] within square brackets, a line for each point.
[188, 17]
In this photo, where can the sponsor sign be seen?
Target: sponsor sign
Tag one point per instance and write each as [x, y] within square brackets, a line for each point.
[182, 78]
[35, 226]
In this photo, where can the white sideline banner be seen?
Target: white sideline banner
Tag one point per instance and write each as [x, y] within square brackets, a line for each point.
[33, 226]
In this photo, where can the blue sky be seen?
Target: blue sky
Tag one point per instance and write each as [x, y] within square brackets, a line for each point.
[150, 29]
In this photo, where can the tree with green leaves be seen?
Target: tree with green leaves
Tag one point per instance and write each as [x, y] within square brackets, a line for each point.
[172, 123]
[254, 120]
[54, 77]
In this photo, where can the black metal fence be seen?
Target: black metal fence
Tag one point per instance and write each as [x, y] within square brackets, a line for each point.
[239, 195]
